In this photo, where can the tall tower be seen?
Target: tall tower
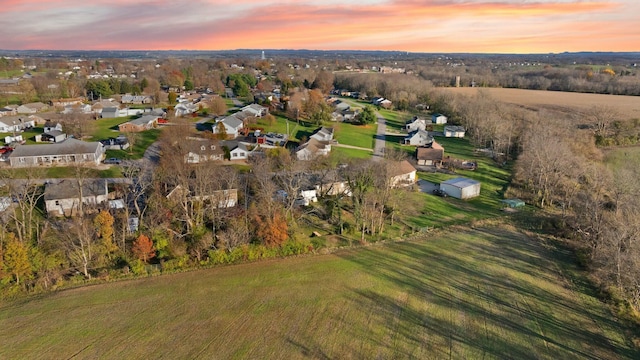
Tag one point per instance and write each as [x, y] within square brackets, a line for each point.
[263, 58]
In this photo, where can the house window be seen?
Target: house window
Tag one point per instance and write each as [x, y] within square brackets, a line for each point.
[242, 154]
[213, 147]
[203, 148]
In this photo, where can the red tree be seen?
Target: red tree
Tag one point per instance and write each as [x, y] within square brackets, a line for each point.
[143, 248]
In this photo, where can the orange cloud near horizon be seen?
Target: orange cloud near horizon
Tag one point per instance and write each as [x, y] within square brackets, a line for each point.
[418, 26]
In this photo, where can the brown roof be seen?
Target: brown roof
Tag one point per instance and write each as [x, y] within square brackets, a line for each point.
[404, 167]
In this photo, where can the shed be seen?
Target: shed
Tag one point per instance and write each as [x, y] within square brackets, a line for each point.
[461, 188]
[438, 118]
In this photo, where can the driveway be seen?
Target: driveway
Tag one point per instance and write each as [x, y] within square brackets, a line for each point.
[427, 186]
[378, 150]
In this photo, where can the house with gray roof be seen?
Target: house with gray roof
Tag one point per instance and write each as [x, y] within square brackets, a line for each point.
[232, 125]
[67, 152]
[419, 138]
[255, 110]
[142, 123]
[136, 99]
[63, 198]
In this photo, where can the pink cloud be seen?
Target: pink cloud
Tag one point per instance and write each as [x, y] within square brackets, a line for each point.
[497, 26]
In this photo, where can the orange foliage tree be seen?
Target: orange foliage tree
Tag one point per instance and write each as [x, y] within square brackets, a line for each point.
[272, 231]
[143, 248]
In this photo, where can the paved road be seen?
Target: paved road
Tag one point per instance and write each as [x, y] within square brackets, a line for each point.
[378, 150]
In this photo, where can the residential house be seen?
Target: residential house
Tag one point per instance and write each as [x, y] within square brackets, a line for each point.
[461, 188]
[312, 149]
[323, 134]
[337, 116]
[8, 111]
[401, 173]
[454, 131]
[438, 119]
[416, 124]
[349, 115]
[430, 156]
[15, 124]
[255, 110]
[341, 106]
[136, 99]
[63, 198]
[69, 151]
[237, 150]
[376, 100]
[61, 103]
[51, 126]
[232, 125]
[203, 150]
[32, 108]
[142, 123]
[419, 138]
[78, 109]
[111, 112]
[386, 103]
[185, 108]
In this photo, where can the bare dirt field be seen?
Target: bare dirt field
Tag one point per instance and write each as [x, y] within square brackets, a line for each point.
[627, 106]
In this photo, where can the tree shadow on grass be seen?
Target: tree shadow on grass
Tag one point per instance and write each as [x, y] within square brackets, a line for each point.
[497, 281]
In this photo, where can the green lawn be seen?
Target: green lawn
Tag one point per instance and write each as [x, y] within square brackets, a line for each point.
[142, 142]
[484, 293]
[108, 128]
[346, 153]
[356, 135]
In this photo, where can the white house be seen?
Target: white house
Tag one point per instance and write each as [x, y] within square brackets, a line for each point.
[63, 198]
[185, 108]
[438, 119]
[402, 173]
[454, 131]
[69, 151]
[323, 134]
[255, 110]
[419, 138]
[232, 125]
[416, 124]
[313, 148]
[461, 188]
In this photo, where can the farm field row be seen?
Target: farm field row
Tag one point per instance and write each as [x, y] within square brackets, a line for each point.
[627, 106]
[489, 292]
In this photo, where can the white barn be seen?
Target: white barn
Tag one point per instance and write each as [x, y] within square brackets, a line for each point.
[461, 188]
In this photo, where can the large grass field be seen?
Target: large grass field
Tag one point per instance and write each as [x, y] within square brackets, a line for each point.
[492, 292]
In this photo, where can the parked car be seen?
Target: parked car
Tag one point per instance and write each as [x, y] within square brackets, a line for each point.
[439, 192]
[114, 161]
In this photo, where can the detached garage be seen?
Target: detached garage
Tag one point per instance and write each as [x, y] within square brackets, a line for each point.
[461, 188]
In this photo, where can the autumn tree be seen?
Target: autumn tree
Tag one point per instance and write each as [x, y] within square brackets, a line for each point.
[218, 106]
[143, 248]
[103, 223]
[16, 259]
[271, 231]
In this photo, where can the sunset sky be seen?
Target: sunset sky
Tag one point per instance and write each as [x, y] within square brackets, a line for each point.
[483, 26]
